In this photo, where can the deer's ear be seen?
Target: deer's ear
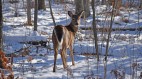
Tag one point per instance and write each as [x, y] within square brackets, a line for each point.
[70, 13]
[81, 13]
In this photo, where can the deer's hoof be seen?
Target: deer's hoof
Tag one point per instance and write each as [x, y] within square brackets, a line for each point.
[54, 69]
[73, 64]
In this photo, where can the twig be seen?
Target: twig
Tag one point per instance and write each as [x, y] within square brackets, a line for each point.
[109, 35]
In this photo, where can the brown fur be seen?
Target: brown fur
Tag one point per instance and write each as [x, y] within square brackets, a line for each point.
[69, 32]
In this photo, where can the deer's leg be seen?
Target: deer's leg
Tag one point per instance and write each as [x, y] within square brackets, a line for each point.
[71, 54]
[63, 57]
[65, 54]
[55, 58]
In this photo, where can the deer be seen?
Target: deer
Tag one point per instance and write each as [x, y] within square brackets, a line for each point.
[63, 38]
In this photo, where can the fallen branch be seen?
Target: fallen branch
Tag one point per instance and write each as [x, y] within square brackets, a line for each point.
[113, 29]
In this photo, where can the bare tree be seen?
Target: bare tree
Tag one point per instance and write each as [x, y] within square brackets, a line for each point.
[59, 1]
[83, 5]
[35, 15]
[108, 39]
[118, 5]
[140, 4]
[29, 12]
[103, 2]
[95, 30]
[110, 2]
[79, 5]
[1, 25]
[41, 5]
[52, 13]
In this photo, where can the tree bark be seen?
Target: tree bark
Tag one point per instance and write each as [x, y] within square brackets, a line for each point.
[118, 3]
[87, 7]
[59, 1]
[1, 21]
[103, 2]
[52, 13]
[79, 6]
[41, 5]
[95, 30]
[35, 15]
[140, 4]
[29, 12]
[108, 40]
[83, 5]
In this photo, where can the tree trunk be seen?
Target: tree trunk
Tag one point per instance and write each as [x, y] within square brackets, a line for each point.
[95, 30]
[108, 40]
[1, 41]
[41, 5]
[140, 4]
[103, 2]
[110, 2]
[29, 12]
[79, 6]
[82, 5]
[59, 1]
[118, 3]
[35, 15]
[52, 13]
[87, 7]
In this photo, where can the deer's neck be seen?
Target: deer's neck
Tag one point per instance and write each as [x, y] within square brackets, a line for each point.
[72, 28]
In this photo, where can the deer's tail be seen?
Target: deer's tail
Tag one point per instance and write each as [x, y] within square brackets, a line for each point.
[59, 33]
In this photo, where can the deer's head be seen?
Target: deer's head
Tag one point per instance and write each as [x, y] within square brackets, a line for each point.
[75, 18]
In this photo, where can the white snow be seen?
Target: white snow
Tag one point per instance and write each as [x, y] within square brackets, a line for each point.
[125, 47]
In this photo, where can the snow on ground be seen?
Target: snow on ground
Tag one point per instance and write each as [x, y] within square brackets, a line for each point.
[124, 50]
